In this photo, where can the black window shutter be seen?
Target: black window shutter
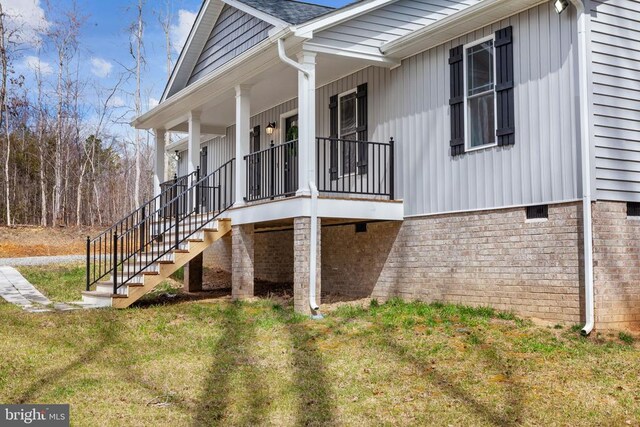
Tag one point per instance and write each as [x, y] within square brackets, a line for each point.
[456, 100]
[333, 134]
[504, 87]
[363, 134]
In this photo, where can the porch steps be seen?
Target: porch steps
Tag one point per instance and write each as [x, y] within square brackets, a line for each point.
[155, 272]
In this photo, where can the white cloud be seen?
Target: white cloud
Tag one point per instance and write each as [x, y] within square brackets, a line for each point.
[34, 63]
[28, 18]
[180, 32]
[116, 102]
[153, 102]
[101, 67]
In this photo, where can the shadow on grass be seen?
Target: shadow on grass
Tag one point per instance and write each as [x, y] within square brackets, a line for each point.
[316, 403]
[108, 337]
[445, 378]
[231, 353]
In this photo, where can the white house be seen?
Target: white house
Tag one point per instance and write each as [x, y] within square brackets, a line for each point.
[484, 152]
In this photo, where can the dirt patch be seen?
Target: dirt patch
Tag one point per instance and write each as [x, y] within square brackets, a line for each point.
[19, 242]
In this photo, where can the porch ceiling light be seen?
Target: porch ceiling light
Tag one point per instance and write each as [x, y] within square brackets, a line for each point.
[270, 128]
[560, 5]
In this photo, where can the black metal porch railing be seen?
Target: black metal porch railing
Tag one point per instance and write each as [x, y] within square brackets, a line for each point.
[272, 172]
[347, 166]
[159, 226]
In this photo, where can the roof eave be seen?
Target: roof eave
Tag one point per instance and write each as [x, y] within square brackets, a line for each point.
[426, 38]
[338, 16]
[145, 121]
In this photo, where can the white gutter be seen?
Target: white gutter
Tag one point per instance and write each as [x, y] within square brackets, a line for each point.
[313, 249]
[585, 146]
[284, 58]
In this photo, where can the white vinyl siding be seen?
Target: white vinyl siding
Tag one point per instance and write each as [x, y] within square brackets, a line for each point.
[615, 35]
[368, 32]
[234, 33]
[411, 104]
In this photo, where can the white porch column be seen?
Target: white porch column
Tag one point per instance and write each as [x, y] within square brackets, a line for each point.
[159, 161]
[307, 121]
[193, 152]
[243, 112]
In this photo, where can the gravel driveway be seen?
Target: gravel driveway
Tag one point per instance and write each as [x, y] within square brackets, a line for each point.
[41, 260]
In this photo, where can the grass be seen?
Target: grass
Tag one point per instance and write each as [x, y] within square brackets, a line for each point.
[215, 362]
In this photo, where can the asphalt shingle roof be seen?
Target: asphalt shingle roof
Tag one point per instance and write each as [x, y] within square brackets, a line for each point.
[293, 12]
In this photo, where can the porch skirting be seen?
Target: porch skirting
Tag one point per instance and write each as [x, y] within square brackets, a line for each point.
[494, 258]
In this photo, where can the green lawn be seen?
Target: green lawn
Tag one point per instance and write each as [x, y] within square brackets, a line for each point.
[216, 362]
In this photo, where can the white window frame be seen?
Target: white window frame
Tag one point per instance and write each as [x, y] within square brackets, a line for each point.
[341, 173]
[283, 122]
[467, 142]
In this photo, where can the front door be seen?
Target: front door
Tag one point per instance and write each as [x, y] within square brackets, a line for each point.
[205, 190]
[254, 165]
[290, 154]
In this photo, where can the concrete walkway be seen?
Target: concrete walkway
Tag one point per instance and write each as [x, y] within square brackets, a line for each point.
[41, 260]
[17, 290]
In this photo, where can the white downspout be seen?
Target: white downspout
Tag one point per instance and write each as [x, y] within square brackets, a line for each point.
[313, 250]
[585, 145]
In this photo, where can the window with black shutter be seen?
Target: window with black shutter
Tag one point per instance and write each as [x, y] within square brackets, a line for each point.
[348, 124]
[456, 100]
[333, 134]
[482, 93]
[363, 134]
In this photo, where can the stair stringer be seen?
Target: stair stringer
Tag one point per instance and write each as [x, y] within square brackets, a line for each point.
[181, 258]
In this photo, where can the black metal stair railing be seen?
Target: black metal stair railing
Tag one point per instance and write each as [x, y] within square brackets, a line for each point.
[100, 249]
[170, 224]
[150, 232]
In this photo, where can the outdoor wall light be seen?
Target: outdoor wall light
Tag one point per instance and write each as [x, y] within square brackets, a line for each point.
[177, 156]
[560, 5]
[270, 128]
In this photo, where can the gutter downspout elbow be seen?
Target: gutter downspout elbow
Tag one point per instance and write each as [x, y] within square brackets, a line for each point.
[585, 146]
[284, 58]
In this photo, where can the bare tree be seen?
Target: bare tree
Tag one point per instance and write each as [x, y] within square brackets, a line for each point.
[165, 24]
[136, 50]
[65, 38]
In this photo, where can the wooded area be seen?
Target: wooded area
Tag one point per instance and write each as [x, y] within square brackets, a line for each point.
[62, 162]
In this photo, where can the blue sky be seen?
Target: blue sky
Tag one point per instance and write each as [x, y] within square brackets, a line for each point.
[105, 41]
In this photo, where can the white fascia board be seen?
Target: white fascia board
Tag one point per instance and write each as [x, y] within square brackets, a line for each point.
[425, 38]
[231, 69]
[307, 29]
[187, 46]
[276, 22]
[327, 208]
[378, 60]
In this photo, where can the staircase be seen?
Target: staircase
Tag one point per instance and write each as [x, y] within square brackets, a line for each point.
[138, 252]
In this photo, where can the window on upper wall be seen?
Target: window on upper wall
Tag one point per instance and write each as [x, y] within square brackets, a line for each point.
[480, 97]
[348, 131]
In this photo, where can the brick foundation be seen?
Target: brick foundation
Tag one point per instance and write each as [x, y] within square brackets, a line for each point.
[616, 258]
[301, 242]
[273, 255]
[494, 258]
[242, 261]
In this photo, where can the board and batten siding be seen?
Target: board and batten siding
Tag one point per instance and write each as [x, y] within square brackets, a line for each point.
[542, 166]
[411, 104]
[234, 33]
[368, 32]
[615, 44]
